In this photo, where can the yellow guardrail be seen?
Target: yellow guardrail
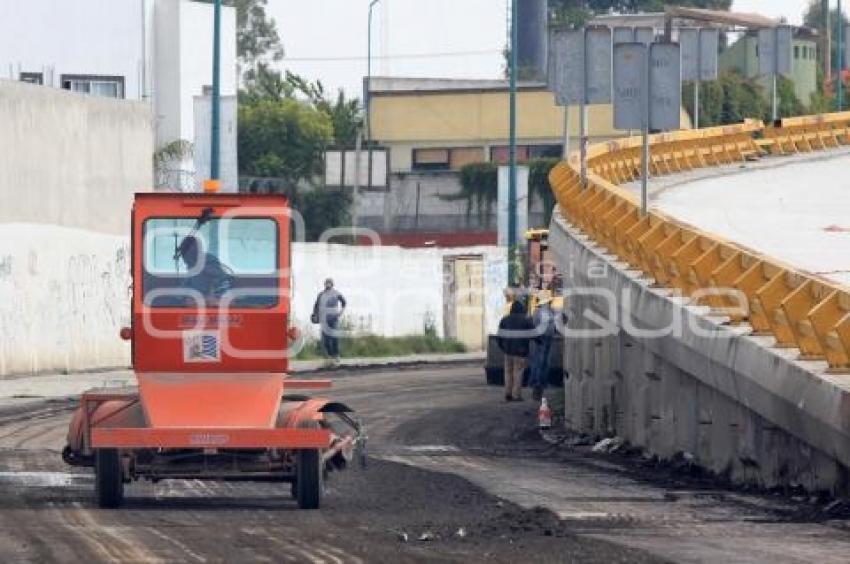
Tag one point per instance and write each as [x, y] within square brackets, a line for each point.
[798, 309]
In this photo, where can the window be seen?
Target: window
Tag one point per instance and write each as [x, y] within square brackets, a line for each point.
[445, 159]
[796, 51]
[502, 155]
[463, 156]
[525, 153]
[431, 159]
[105, 86]
[32, 77]
[232, 261]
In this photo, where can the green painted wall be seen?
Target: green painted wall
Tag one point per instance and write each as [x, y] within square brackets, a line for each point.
[743, 57]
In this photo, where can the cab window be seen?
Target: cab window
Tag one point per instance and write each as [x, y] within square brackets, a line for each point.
[190, 262]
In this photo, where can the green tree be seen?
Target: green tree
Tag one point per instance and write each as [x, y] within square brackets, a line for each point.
[345, 114]
[479, 189]
[257, 38]
[574, 13]
[813, 18]
[323, 209]
[539, 187]
[282, 138]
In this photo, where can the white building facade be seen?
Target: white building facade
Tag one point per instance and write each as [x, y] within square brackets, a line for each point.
[158, 51]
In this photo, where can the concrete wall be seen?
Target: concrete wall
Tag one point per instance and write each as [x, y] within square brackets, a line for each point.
[699, 387]
[390, 291]
[396, 210]
[70, 159]
[70, 166]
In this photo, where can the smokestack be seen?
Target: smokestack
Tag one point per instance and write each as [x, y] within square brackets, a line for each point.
[533, 38]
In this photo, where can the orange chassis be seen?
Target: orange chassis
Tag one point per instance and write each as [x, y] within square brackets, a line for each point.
[213, 399]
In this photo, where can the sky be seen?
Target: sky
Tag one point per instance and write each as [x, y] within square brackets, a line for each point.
[327, 39]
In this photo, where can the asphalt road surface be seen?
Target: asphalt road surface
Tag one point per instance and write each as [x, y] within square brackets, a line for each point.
[450, 464]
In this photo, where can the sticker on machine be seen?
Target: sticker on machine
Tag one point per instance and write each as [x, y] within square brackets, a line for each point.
[201, 346]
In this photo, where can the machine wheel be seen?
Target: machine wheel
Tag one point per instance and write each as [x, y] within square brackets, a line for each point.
[109, 483]
[308, 479]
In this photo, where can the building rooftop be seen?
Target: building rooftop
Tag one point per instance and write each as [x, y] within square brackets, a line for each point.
[687, 17]
[404, 85]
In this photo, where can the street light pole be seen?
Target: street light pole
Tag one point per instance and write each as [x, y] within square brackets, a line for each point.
[512, 182]
[215, 144]
[368, 94]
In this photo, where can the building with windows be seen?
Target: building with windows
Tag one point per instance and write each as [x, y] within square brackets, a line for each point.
[743, 57]
[431, 128]
[158, 51]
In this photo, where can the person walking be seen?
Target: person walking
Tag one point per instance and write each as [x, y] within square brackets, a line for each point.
[515, 332]
[328, 308]
[544, 328]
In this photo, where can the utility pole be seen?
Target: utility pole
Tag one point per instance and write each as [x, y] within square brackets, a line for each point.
[215, 144]
[512, 182]
[367, 97]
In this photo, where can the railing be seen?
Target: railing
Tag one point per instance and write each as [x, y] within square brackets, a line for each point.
[799, 310]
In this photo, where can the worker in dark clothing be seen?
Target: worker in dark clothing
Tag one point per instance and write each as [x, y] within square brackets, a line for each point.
[207, 274]
[328, 308]
[515, 333]
[544, 325]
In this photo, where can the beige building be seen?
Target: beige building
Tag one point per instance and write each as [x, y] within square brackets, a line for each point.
[433, 127]
[442, 124]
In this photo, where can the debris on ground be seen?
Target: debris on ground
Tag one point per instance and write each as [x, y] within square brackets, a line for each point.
[609, 445]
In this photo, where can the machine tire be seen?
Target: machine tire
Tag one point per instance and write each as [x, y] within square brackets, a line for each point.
[308, 479]
[109, 483]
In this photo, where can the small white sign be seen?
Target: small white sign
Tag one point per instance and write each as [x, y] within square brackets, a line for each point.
[201, 346]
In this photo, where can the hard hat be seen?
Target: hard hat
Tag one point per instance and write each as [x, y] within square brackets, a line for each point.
[544, 297]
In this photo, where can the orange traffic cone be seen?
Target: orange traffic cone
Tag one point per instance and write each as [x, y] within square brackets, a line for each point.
[544, 415]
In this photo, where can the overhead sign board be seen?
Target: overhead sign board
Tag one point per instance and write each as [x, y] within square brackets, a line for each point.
[784, 47]
[629, 85]
[645, 35]
[709, 41]
[571, 64]
[623, 35]
[774, 50]
[699, 53]
[598, 60]
[665, 80]
[554, 77]
[634, 81]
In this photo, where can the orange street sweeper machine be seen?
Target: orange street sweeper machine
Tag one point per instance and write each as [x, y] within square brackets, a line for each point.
[210, 336]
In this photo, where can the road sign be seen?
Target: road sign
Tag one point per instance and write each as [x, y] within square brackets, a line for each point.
[571, 64]
[665, 79]
[709, 45]
[598, 57]
[699, 53]
[774, 50]
[629, 85]
[555, 74]
[645, 35]
[784, 42]
[623, 35]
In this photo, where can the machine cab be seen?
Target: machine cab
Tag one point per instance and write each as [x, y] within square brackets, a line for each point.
[211, 283]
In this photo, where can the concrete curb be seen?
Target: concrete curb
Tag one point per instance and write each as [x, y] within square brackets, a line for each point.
[313, 366]
[50, 386]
